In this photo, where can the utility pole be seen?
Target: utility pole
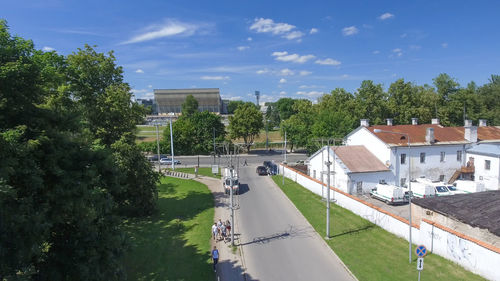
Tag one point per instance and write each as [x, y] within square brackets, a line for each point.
[172, 144]
[328, 163]
[284, 160]
[214, 144]
[231, 206]
[158, 146]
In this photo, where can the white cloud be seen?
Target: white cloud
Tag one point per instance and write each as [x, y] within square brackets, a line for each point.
[282, 93]
[286, 72]
[249, 39]
[139, 71]
[242, 48]
[386, 16]
[285, 30]
[350, 30]
[293, 35]
[376, 52]
[284, 56]
[313, 30]
[328, 61]
[398, 52]
[444, 45]
[169, 28]
[214, 78]
[262, 71]
[304, 73]
[150, 86]
[282, 80]
[47, 49]
[310, 94]
[142, 93]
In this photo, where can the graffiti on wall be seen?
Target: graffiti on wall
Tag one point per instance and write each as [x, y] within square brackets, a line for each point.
[458, 249]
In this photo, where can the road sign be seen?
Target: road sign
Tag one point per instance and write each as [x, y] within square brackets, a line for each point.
[420, 264]
[421, 251]
[215, 169]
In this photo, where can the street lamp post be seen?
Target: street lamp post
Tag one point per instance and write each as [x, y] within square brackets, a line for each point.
[409, 181]
[172, 142]
[158, 145]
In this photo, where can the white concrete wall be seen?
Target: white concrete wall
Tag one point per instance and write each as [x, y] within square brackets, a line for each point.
[369, 180]
[371, 142]
[490, 178]
[470, 255]
[466, 253]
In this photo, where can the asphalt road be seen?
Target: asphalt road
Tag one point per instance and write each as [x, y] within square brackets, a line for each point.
[276, 240]
[252, 159]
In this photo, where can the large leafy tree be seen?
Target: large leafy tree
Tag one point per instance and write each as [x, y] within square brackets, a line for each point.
[190, 106]
[246, 123]
[233, 105]
[194, 134]
[298, 127]
[57, 220]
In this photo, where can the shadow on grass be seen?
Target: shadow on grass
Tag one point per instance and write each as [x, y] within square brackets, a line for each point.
[352, 231]
[159, 248]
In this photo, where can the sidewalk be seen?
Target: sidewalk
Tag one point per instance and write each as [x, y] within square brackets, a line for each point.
[230, 262]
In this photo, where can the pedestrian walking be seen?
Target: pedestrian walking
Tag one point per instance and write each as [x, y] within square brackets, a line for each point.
[214, 230]
[245, 163]
[215, 257]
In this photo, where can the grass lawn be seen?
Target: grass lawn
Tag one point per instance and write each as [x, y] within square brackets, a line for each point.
[370, 252]
[173, 244]
[204, 171]
[148, 133]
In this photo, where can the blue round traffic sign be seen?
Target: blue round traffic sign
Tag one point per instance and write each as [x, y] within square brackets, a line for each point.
[421, 251]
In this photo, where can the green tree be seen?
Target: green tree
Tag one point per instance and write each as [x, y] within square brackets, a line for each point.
[371, 102]
[233, 105]
[299, 126]
[246, 124]
[489, 97]
[190, 106]
[285, 108]
[194, 134]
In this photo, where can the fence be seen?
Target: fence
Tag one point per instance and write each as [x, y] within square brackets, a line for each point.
[476, 256]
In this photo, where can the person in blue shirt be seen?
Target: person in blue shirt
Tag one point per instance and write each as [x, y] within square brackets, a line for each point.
[215, 257]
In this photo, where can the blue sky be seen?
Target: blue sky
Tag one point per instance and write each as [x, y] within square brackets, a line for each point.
[292, 49]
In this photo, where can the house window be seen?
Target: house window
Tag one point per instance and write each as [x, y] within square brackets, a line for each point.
[403, 158]
[402, 181]
[441, 177]
[443, 154]
[422, 157]
[459, 155]
[487, 164]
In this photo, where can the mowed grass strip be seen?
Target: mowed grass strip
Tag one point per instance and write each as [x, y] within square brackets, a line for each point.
[173, 244]
[370, 252]
[203, 171]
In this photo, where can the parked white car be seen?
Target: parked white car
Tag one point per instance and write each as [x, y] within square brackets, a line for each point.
[390, 194]
[422, 190]
[440, 188]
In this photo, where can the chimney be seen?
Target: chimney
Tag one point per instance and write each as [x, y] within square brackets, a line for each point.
[429, 135]
[389, 121]
[470, 133]
[414, 121]
[467, 123]
[482, 123]
[365, 122]
[435, 121]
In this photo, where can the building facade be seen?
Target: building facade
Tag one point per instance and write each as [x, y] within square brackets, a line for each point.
[486, 158]
[171, 100]
[435, 152]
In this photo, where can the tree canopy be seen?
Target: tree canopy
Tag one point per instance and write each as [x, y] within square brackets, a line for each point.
[246, 123]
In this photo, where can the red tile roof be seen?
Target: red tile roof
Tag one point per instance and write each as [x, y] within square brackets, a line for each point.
[441, 134]
[358, 159]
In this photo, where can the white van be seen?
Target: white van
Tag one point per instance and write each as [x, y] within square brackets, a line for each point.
[440, 188]
[226, 182]
[422, 190]
[390, 194]
[469, 186]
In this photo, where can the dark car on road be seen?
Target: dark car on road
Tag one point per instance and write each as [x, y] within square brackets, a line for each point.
[261, 171]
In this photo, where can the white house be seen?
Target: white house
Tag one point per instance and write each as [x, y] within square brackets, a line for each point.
[486, 158]
[435, 152]
[353, 169]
